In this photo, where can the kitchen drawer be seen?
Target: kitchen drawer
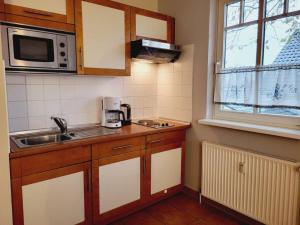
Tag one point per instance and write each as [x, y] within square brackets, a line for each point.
[165, 138]
[48, 161]
[112, 148]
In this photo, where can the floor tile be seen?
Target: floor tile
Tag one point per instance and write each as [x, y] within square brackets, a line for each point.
[178, 210]
[141, 218]
[170, 215]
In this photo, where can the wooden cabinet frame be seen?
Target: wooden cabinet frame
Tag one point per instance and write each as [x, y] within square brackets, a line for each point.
[170, 23]
[123, 210]
[79, 40]
[17, 183]
[34, 17]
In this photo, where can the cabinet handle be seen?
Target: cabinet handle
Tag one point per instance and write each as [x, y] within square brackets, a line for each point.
[145, 165]
[154, 142]
[38, 13]
[122, 147]
[81, 58]
[89, 180]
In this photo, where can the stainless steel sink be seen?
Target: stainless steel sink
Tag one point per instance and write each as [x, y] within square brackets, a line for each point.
[27, 140]
[45, 139]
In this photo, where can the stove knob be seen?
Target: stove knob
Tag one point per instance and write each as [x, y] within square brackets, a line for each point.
[167, 124]
[163, 125]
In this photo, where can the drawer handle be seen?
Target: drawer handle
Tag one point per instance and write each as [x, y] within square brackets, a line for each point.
[122, 147]
[154, 142]
[38, 13]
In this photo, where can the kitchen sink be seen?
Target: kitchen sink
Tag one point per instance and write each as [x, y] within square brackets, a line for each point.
[33, 140]
[45, 139]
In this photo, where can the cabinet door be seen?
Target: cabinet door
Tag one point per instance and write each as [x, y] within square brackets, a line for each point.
[56, 197]
[103, 37]
[117, 186]
[152, 25]
[165, 170]
[55, 10]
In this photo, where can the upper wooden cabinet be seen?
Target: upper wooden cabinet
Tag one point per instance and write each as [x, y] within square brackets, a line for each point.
[53, 10]
[103, 37]
[152, 25]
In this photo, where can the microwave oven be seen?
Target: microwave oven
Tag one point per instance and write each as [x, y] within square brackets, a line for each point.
[37, 50]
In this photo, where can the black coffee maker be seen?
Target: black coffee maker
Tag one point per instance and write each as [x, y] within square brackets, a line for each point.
[126, 109]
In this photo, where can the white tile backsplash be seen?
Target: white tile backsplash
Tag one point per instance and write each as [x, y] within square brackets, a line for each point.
[17, 109]
[51, 92]
[33, 99]
[35, 92]
[174, 89]
[152, 90]
[16, 92]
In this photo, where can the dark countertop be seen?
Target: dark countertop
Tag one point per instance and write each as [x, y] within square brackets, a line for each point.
[133, 130]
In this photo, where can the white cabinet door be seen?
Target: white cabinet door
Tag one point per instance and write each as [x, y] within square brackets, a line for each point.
[165, 170]
[58, 201]
[105, 32]
[151, 27]
[119, 184]
[54, 6]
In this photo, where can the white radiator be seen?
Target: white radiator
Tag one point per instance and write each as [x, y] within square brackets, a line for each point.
[263, 188]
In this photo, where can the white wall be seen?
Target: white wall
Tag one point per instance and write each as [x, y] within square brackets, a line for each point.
[5, 194]
[195, 23]
[145, 4]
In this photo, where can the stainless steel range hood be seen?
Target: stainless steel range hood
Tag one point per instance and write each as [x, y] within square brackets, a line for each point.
[154, 51]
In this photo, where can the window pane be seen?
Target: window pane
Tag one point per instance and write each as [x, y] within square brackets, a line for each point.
[239, 43]
[251, 10]
[274, 7]
[282, 41]
[280, 111]
[237, 108]
[294, 5]
[233, 14]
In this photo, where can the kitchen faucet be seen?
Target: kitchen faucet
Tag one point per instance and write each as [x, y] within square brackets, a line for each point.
[61, 123]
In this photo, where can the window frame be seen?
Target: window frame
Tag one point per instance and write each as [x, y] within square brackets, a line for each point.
[254, 117]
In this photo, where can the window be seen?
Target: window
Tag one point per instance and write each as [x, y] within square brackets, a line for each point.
[258, 55]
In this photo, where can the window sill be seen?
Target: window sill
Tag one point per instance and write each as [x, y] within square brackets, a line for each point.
[261, 129]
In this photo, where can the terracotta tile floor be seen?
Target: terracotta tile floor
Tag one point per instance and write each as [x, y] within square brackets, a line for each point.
[178, 210]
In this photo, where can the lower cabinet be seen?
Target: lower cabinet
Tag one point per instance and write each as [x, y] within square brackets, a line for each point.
[117, 185]
[165, 162]
[165, 170]
[98, 183]
[56, 197]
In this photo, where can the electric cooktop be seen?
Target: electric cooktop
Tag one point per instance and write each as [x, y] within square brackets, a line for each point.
[157, 124]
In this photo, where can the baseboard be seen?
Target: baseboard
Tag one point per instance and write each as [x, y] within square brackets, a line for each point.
[240, 217]
[206, 201]
[192, 193]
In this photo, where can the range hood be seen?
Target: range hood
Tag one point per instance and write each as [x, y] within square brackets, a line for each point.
[154, 51]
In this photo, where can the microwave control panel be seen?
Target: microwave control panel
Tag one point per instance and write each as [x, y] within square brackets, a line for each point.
[62, 49]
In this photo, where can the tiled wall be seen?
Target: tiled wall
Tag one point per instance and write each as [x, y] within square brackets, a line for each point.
[175, 87]
[33, 99]
[152, 91]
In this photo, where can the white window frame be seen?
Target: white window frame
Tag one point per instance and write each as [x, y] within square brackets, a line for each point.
[291, 122]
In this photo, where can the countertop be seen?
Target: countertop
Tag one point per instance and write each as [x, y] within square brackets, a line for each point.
[133, 130]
